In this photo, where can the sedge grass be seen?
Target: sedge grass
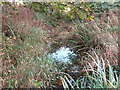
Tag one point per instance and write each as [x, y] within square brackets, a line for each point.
[99, 78]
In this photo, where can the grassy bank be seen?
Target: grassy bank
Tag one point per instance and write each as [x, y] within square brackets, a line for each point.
[27, 39]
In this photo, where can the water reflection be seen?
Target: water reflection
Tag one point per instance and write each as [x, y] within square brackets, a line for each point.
[63, 54]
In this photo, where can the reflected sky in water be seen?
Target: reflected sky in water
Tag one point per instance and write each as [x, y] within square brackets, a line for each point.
[63, 54]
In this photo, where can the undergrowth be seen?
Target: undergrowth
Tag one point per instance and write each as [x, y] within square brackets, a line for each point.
[26, 41]
[25, 63]
[101, 76]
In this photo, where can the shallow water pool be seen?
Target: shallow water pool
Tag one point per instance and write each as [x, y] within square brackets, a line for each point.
[63, 54]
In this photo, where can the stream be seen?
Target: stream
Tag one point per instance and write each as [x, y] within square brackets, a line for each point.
[65, 59]
[63, 54]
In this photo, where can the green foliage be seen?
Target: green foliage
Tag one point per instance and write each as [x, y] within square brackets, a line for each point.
[64, 10]
[38, 84]
[41, 16]
[99, 7]
[40, 7]
[11, 83]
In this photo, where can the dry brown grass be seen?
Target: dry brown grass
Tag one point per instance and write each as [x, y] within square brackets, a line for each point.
[25, 43]
[32, 37]
[102, 32]
[109, 39]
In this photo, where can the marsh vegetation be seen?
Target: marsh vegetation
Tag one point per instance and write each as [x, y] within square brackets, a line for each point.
[60, 45]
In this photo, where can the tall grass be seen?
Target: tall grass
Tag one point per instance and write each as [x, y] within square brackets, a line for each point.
[101, 76]
[26, 42]
[25, 63]
[98, 34]
[24, 50]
